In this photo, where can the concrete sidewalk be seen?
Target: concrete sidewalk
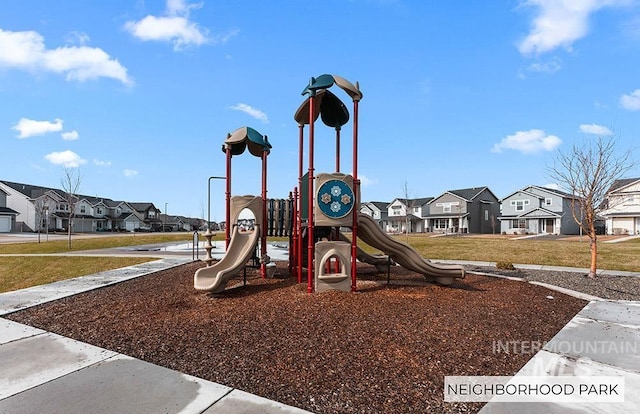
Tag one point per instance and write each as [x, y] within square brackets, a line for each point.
[41, 372]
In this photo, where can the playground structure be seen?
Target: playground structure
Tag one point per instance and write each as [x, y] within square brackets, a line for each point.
[240, 244]
[315, 212]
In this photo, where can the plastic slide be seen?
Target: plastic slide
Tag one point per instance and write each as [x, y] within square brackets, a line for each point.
[381, 262]
[405, 255]
[241, 247]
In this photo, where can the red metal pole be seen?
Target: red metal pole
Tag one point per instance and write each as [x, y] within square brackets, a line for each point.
[310, 246]
[263, 242]
[299, 201]
[227, 230]
[293, 246]
[338, 149]
[356, 192]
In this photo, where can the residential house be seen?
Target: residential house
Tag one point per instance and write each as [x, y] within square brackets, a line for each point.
[407, 215]
[150, 216]
[622, 207]
[377, 210]
[30, 203]
[25, 207]
[7, 215]
[468, 210]
[534, 210]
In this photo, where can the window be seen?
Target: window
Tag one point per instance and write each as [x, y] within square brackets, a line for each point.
[83, 209]
[486, 215]
[99, 210]
[440, 223]
[519, 224]
[548, 201]
[446, 209]
[519, 204]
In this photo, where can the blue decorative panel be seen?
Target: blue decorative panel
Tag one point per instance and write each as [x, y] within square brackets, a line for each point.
[335, 199]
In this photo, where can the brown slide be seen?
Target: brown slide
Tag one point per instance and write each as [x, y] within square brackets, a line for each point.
[405, 255]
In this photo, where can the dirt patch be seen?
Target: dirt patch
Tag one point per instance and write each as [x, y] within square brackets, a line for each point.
[384, 349]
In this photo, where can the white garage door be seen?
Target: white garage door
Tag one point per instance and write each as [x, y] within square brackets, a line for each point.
[5, 224]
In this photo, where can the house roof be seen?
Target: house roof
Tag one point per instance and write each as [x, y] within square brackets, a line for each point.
[411, 202]
[446, 215]
[469, 193]
[417, 202]
[7, 211]
[380, 205]
[563, 194]
[623, 182]
[536, 212]
[141, 206]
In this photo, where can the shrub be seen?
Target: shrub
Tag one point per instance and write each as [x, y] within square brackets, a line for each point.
[503, 265]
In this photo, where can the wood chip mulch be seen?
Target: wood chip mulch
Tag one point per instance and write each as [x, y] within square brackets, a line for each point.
[385, 349]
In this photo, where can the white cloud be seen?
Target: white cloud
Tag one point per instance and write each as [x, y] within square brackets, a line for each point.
[528, 142]
[559, 23]
[100, 163]
[256, 113]
[181, 7]
[595, 129]
[27, 51]
[130, 173]
[551, 66]
[65, 158]
[366, 181]
[631, 101]
[175, 27]
[70, 135]
[77, 38]
[29, 127]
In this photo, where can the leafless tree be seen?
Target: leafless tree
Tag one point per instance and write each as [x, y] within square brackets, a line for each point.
[587, 171]
[41, 207]
[405, 192]
[70, 182]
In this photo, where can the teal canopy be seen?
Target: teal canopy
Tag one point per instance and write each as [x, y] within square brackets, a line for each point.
[247, 137]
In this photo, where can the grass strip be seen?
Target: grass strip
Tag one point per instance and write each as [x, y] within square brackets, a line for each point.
[22, 272]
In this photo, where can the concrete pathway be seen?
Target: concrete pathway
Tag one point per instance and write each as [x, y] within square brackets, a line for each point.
[41, 372]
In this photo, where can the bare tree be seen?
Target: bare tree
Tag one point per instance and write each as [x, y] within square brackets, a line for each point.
[587, 171]
[405, 192]
[71, 185]
[42, 210]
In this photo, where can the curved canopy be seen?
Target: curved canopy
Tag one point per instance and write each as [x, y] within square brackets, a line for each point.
[326, 81]
[247, 137]
[328, 106]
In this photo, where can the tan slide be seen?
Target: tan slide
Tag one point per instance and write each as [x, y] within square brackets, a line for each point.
[405, 255]
[381, 262]
[241, 247]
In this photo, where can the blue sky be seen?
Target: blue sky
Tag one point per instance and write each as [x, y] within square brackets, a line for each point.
[139, 95]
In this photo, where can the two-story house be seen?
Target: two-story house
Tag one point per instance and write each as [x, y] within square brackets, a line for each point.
[407, 215]
[150, 215]
[622, 207]
[377, 210]
[25, 207]
[534, 210]
[7, 215]
[468, 210]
